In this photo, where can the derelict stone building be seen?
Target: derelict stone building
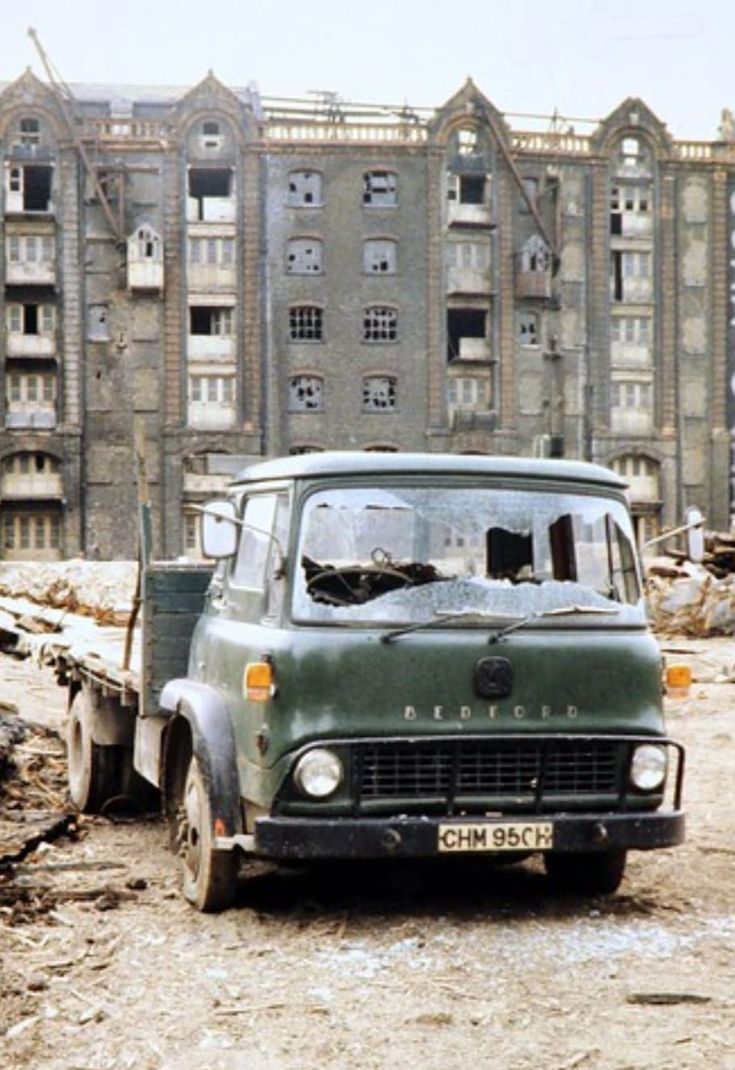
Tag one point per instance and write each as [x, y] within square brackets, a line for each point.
[226, 277]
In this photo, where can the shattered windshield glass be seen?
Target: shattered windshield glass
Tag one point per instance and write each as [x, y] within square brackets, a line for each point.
[397, 555]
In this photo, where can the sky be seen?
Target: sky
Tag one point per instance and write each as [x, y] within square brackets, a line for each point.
[580, 58]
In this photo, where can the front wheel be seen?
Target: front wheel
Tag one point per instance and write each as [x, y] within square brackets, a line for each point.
[586, 872]
[209, 876]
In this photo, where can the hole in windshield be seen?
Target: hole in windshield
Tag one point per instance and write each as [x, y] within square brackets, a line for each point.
[401, 555]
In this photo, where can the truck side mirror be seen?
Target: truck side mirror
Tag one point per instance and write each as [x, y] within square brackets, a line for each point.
[219, 529]
[695, 534]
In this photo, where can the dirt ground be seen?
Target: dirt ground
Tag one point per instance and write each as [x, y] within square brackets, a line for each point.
[106, 968]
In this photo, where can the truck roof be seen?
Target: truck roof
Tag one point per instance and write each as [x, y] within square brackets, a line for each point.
[354, 462]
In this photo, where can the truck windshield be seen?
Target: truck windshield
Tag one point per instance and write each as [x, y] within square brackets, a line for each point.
[398, 555]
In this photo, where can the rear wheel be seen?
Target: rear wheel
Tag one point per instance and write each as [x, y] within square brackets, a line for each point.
[586, 873]
[208, 875]
[93, 771]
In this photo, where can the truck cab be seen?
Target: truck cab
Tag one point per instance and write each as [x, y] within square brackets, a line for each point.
[415, 656]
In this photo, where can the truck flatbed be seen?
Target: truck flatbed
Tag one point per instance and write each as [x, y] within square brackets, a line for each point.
[74, 646]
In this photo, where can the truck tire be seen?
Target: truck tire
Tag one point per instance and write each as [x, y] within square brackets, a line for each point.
[587, 872]
[209, 876]
[93, 771]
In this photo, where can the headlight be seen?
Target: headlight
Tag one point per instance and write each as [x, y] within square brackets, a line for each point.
[648, 768]
[318, 773]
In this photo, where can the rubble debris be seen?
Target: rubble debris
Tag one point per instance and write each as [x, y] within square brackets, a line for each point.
[33, 804]
[694, 599]
[103, 590]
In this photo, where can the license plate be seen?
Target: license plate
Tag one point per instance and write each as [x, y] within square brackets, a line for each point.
[496, 836]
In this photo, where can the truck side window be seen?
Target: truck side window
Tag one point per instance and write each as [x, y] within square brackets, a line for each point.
[255, 542]
[275, 584]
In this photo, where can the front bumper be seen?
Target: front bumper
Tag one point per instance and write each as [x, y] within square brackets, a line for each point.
[306, 838]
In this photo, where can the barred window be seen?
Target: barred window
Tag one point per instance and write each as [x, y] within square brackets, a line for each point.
[306, 323]
[305, 393]
[380, 324]
[378, 393]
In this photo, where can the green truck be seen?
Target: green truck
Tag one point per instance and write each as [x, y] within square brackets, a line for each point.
[395, 656]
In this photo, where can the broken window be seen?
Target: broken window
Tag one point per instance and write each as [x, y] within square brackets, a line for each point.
[628, 206]
[29, 188]
[147, 244]
[380, 189]
[210, 182]
[305, 393]
[464, 323]
[31, 318]
[304, 256]
[35, 182]
[380, 256]
[305, 323]
[207, 319]
[305, 189]
[378, 393]
[410, 554]
[206, 183]
[380, 324]
[528, 330]
[630, 274]
[535, 255]
[471, 189]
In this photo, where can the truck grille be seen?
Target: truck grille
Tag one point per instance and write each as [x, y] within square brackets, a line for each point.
[532, 769]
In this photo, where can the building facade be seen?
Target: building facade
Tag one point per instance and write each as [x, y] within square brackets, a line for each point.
[228, 277]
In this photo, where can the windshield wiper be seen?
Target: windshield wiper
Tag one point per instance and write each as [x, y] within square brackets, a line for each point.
[443, 616]
[562, 611]
[515, 622]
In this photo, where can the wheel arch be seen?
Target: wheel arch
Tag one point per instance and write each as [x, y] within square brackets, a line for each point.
[200, 724]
